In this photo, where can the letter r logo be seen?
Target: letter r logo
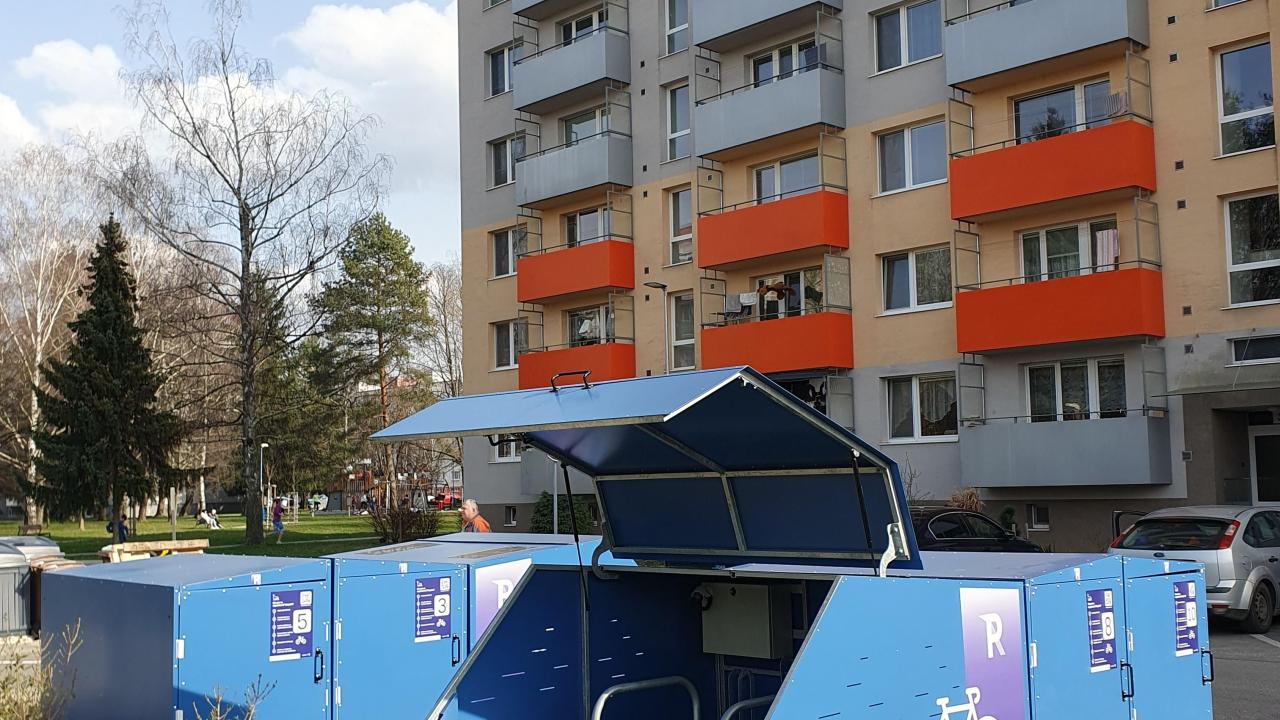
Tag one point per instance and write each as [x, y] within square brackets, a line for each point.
[995, 629]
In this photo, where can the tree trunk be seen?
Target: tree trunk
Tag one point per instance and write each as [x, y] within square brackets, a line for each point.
[392, 499]
[34, 511]
[248, 404]
[204, 456]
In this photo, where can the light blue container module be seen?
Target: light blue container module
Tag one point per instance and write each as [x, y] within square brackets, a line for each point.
[407, 615]
[162, 637]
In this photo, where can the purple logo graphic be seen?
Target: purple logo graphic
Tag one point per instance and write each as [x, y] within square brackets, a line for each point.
[1186, 619]
[994, 667]
[494, 586]
[431, 611]
[291, 628]
[1101, 614]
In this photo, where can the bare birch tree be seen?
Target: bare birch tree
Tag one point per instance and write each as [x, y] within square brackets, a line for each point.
[46, 233]
[257, 184]
[442, 351]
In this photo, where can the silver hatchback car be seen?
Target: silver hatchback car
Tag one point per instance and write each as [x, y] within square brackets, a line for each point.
[1239, 547]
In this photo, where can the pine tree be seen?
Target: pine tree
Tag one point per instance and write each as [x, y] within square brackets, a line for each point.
[379, 309]
[104, 436]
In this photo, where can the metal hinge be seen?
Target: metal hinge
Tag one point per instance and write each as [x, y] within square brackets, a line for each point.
[177, 715]
[1034, 657]
[337, 629]
[337, 696]
[180, 650]
[1129, 639]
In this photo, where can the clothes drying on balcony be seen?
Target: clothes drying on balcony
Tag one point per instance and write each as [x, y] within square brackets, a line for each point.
[1106, 249]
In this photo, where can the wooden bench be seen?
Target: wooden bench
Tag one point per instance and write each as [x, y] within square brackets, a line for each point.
[30, 529]
[125, 552]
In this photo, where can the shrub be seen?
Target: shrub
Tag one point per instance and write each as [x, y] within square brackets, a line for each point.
[966, 499]
[28, 691]
[394, 525]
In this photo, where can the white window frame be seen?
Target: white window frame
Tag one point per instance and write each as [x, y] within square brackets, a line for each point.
[1084, 243]
[775, 193]
[1231, 266]
[1247, 339]
[916, 436]
[666, 21]
[691, 342]
[598, 18]
[606, 226]
[507, 147]
[512, 342]
[508, 54]
[914, 306]
[509, 516]
[604, 317]
[906, 149]
[676, 134]
[1033, 523]
[775, 56]
[1081, 121]
[904, 43]
[506, 451]
[673, 239]
[1095, 391]
[600, 116]
[758, 281]
[1222, 117]
[511, 234]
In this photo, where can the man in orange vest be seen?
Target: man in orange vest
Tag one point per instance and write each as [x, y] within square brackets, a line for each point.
[472, 521]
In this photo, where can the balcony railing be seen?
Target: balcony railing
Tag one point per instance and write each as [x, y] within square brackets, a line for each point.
[612, 359]
[821, 338]
[595, 162]
[809, 219]
[571, 72]
[724, 24]
[604, 263]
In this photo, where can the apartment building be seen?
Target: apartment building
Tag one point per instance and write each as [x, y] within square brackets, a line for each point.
[1030, 247]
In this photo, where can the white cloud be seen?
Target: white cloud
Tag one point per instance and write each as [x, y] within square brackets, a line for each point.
[73, 70]
[400, 64]
[15, 130]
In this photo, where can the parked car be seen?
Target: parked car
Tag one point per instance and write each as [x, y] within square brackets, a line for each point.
[955, 530]
[1239, 547]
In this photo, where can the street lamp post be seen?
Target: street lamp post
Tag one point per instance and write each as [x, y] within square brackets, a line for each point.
[666, 341]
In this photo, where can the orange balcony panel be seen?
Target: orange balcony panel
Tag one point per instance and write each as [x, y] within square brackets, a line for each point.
[807, 342]
[606, 361]
[1112, 157]
[594, 266]
[804, 222]
[1100, 306]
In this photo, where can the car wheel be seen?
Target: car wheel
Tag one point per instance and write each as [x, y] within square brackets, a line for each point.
[1262, 610]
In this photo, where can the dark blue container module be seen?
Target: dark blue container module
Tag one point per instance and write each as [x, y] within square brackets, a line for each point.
[163, 638]
[407, 615]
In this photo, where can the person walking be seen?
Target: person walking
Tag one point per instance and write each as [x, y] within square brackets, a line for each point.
[472, 520]
[277, 520]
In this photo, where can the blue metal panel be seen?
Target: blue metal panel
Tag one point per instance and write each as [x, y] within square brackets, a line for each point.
[383, 669]
[897, 648]
[1065, 683]
[766, 503]
[124, 666]
[1168, 680]
[227, 636]
[669, 513]
[207, 571]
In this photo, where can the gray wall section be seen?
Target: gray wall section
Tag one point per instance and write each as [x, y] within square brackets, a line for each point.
[538, 80]
[482, 118]
[1210, 364]
[714, 20]
[1013, 37]
[800, 101]
[513, 483]
[596, 161]
[874, 95]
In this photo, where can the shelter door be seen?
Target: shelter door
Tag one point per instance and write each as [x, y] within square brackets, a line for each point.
[1169, 644]
[1079, 660]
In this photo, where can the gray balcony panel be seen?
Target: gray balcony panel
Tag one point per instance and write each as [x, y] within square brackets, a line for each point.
[1013, 37]
[570, 74]
[1132, 450]
[722, 24]
[542, 9]
[801, 101]
[592, 163]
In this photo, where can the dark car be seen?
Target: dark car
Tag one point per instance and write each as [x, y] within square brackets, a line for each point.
[954, 530]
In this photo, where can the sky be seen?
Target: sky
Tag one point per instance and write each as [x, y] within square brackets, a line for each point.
[397, 59]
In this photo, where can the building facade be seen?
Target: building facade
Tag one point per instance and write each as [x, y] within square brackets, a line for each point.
[1030, 247]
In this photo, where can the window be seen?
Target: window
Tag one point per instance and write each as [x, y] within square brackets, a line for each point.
[919, 280]
[948, 526]
[503, 155]
[798, 292]
[681, 203]
[922, 407]
[1058, 112]
[1263, 531]
[682, 350]
[1256, 349]
[501, 62]
[590, 326]
[1037, 517]
[509, 516]
[580, 27]
[584, 125]
[507, 246]
[908, 34]
[913, 157]
[492, 3]
[509, 340]
[983, 529]
[1253, 249]
[787, 178]
[1224, 3]
[783, 62]
[1068, 251]
[1245, 103]
[585, 226]
[677, 25]
[1076, 390]
[678, 136]
[507, 449]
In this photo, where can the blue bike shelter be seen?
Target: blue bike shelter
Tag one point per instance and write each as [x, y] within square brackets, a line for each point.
[162, 638]
[784, 584]
[406, 615]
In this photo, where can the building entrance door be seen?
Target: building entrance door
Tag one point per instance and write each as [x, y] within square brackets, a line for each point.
[1264, 462]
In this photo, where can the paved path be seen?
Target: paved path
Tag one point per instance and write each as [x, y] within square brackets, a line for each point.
[1248, 669]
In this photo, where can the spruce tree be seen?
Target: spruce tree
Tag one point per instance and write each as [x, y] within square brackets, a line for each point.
[104, 436]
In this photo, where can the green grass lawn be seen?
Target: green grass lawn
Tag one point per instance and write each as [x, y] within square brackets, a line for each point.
[309, 537]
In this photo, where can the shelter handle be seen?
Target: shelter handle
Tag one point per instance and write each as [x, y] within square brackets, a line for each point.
[586, 379]
[1212, 673]
[318, 667]
[457, 650]
[738, 707]
[597, 712]
[1126, 694]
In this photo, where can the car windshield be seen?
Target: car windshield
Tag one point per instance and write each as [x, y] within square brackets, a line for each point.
[1175, 534]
